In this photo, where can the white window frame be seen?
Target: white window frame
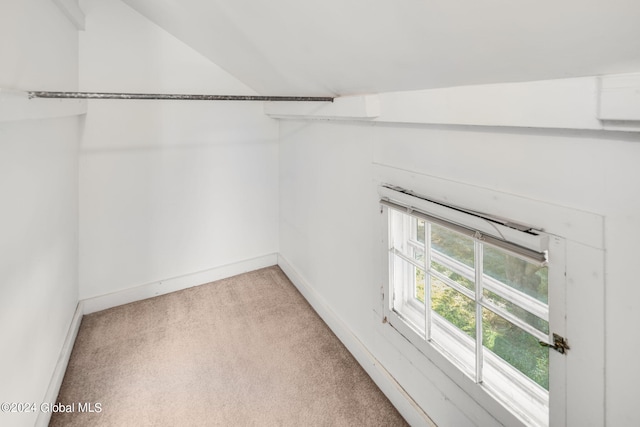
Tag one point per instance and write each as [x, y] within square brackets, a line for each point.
[556, 308]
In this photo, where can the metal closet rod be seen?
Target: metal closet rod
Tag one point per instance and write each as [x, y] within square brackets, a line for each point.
[179, 97]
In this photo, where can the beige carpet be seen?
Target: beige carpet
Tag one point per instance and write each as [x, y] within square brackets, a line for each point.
[244, 351]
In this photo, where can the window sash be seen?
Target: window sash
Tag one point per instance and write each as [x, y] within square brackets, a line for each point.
[510, 294]
[431, 327]
[519, 298]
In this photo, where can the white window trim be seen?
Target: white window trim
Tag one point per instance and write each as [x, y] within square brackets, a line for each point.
[556, 302]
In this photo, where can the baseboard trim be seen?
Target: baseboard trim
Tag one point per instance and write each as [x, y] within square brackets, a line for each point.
[407, 407]
[61, 366]
[173, 284]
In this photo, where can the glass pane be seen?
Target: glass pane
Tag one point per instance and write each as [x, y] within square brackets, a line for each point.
[408, 283]
[527, 277]
[452, 244]
[419, 294]
[418, 254]
[453, 328]
[420, 230]
[396, 228]
[453, 307]
[456, 277]
[416, 239]
[516, 347]
[521, 313]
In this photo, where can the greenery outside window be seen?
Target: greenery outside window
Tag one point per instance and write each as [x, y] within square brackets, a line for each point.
[483, 306]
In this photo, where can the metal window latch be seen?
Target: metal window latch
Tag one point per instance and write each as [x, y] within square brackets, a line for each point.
[559, 344]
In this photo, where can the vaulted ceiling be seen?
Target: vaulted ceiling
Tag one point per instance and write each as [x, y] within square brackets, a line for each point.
[342, 47]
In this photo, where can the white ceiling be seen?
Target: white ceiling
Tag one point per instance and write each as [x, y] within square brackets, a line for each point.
[343, 47]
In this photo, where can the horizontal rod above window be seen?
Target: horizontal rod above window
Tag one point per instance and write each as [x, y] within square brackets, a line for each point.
[175, 97]
[529, 254]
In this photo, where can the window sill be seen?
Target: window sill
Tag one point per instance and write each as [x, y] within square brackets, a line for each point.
[508, 385]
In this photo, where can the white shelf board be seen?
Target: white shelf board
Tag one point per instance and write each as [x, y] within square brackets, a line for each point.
[620, 98]
[559, 104]
[365, 107]
[610, 103]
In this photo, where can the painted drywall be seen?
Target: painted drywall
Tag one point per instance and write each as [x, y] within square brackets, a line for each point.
[167, 188]
[328, 172]
[373, 46]
[39, 214]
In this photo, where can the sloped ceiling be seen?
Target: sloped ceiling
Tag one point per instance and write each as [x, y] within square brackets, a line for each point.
[343, 47]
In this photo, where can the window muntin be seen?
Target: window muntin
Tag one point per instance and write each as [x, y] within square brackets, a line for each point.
[454, 292]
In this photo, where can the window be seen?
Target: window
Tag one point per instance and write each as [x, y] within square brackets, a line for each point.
[476, 290]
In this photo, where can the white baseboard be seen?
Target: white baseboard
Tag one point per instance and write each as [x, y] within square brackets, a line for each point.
[162, 287]
[407, 407]
[61, 366]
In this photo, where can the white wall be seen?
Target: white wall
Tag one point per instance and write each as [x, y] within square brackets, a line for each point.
[39, 205]
[167, 188]
[328, 233]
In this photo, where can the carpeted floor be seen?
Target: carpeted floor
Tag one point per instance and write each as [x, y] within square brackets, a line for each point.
[244, 351]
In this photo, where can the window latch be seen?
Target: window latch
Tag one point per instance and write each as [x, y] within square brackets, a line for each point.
[559, 344]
